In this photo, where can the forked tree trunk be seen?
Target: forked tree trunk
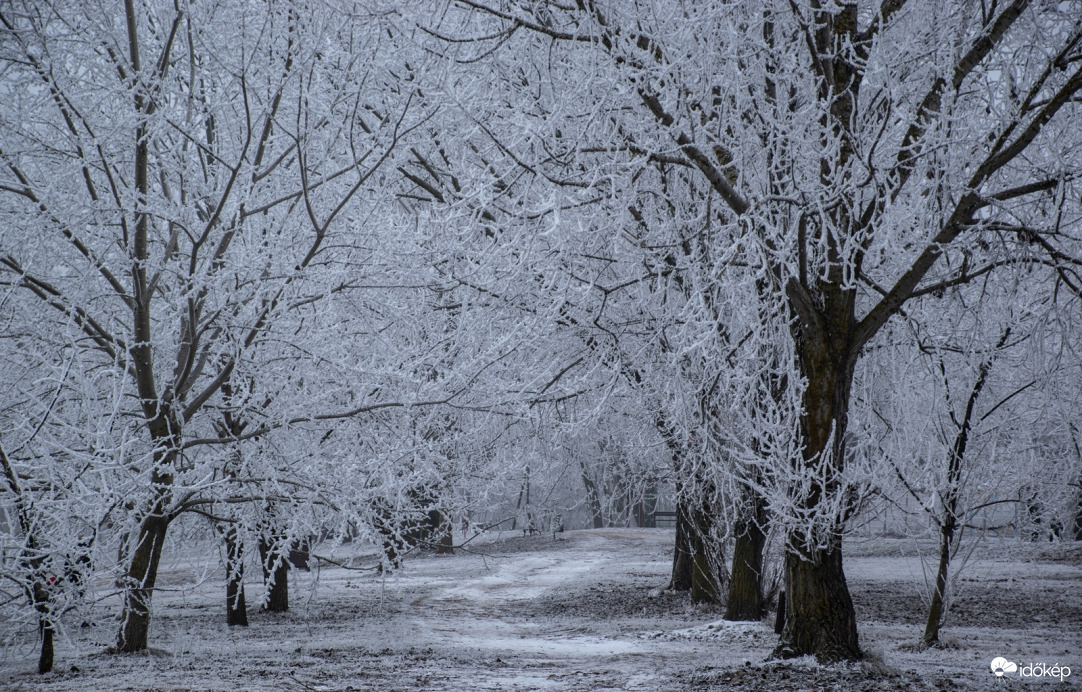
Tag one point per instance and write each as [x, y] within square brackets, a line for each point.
[236, 608]
[949, 522]
[681, 554]
[275, 576]
[139, 585]
[745, 601]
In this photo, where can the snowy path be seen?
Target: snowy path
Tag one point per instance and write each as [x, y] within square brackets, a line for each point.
[580, 613]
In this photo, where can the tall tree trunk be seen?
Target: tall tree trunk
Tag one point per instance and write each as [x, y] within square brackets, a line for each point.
[681, 554]
[275, 575]
[236, 608]
[139, 585]
[820, 619]
[745, 601]
[43, 604]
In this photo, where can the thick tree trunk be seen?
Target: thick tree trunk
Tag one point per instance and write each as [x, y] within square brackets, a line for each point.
[707, 562]
[745, 601]
[819, 616]
[820, 619]
[704, 576]
[275, 576]
[681, 554]
[236, 609]
[139, 585]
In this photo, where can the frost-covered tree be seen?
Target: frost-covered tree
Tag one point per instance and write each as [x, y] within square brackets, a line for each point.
[853, 160]
[175, 181]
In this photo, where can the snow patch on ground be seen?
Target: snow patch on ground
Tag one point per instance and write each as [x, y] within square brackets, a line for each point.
[584, 612]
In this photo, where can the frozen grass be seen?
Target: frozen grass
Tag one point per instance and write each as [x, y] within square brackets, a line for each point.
[581, 613]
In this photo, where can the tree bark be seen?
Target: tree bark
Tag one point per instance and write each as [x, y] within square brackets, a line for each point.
[819, 615]
[704, 581]
[593, 500]
[275, 575]
[43, 604]
[1078, 520]
[707, 563]
[820, 619]
[45, 661]
[745, 601]
[139, 585]
[681, 554]
[939, 596]
[442, 534]
[236, 608]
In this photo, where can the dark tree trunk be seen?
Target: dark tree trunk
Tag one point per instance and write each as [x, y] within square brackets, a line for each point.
[42, 603]
[819, 616]
[45, 661]
[745, 600]
[442, 536]
[704, 576]
[707, 563]
[236, 609]
[1078, 521]
[275, 576]
[939, 596]
[139, 585]
[681, 554]
[820, 619]
[593, 500]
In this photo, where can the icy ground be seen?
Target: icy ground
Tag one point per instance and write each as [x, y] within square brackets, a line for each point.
[583, 612]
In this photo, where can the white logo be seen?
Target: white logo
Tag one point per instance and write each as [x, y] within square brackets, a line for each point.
[1001, 666]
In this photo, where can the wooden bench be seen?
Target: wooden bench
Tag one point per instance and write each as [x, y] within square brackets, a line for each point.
[658, 517]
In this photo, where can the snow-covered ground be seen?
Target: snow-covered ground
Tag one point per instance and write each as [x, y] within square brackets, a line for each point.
[583, 612]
